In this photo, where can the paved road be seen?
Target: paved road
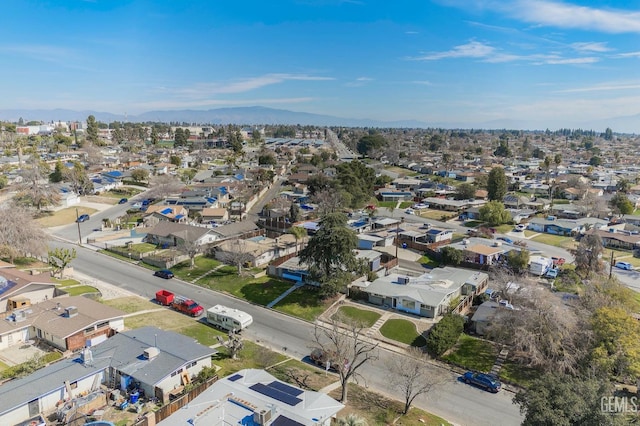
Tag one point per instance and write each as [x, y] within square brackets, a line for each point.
[343, 153]
[454, 401]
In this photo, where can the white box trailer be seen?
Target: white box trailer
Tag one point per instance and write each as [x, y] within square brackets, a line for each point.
[539, 265]
[228, 319]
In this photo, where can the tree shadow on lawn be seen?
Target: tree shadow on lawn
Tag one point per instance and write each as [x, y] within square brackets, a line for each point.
[265, 292]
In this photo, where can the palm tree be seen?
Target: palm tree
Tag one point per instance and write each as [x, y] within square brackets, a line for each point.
[351, 420]
[298, 233]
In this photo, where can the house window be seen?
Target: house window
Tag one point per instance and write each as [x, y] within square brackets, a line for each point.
[88, 330]
[175, 373]
[103, 324]
[73, 385]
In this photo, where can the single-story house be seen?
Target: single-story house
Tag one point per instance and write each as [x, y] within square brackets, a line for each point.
[256, 251]
[554, 226]
[30, 289]
[390, 194]
[156, 213]
[385, 222]
[67, 323]
[211, 214]
[171, 234]
[481, 319]
[428, 295]
[618, 239]
[255, 397]
[451, 204]
[483, 254]
[155, 361]
[435, 235]
[291, 269]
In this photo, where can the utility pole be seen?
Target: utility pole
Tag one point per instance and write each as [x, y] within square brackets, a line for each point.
[78, 222]
[611, 265]
[397, 239]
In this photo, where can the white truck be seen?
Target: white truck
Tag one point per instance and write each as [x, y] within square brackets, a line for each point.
[540, 265]
[228, 319]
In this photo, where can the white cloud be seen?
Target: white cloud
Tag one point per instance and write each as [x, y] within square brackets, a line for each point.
[599, 47]
[571, 61]
[473, 49]
[203, 90]
[605, 87]
[170, 104]
[422, 82]
[629, 55]
[359, 82]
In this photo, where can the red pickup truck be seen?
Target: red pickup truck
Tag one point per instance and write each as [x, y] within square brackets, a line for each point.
[179, 303]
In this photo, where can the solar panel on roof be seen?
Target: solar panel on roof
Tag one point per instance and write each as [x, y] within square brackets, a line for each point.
[167, 211]
[286, 388]
[235, 377]
[285, 421]
[276, 394]
[6, 285]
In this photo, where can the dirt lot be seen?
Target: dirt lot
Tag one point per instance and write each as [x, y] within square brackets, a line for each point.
[64, 216]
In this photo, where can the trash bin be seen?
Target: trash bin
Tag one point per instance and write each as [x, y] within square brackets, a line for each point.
[404, 245]
[133, 398]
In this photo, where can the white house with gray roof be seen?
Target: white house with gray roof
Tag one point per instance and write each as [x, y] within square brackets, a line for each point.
[255, 397]
[429, 294]
[153, 360]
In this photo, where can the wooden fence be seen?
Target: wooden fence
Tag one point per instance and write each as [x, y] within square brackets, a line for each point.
[170, 408]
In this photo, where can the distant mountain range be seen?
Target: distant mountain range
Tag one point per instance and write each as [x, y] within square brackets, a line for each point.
[263, 115]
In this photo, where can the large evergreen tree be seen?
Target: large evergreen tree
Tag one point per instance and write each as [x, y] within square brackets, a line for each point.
[497, 184]
[92, 129]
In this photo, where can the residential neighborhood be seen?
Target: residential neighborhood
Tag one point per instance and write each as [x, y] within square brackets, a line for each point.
[442, 260]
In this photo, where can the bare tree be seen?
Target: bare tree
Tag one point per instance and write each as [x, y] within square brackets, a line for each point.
[543, 332]
[164, 185]
[234, 344]
[344, 341]
[328, 201]
[237, 254]
[35, 190]
[409, 376]
[20, 235]
[190, 247]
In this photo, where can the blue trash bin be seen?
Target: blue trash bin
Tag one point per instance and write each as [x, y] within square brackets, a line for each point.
[134, 397]
[404, 245]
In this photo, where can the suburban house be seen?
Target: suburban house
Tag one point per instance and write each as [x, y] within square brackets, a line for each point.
[19, 288]
[256, 251]
[170, 234]
[481, 319]
[428, 295]
[213, 214]
[290, 269]
[67, 323]
[391, 194]
[157, 362]
[482, 254]
[452, 205]
[435, 235]
[255, 397]
[555, 226]
[615, 239]
[156, 213]
[379, 239]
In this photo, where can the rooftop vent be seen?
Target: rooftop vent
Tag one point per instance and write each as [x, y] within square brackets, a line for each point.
[262, 416]
[403, 280]
[151, 353]
[71, 312]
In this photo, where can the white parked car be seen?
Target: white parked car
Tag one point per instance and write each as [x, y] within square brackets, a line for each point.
[409, 211]
[420, 206]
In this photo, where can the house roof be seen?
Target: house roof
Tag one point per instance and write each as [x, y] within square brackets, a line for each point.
[485, 311]
[239, 395]
[180, 230]
[125, 351]
[429, 289]
[215, 212]
[14, 281]
[47, 317]
[485, 250]
[122, 351]
[235, 229]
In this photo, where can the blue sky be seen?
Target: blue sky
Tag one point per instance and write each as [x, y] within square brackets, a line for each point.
[465, 62]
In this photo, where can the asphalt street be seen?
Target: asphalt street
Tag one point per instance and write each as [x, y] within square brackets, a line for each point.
[454, 401]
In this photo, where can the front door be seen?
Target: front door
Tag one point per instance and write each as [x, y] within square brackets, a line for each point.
[394, 302]
[34, 408]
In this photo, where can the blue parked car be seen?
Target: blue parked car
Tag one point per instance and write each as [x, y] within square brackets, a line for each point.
[82, 218]
[482, 380]
[506, 240]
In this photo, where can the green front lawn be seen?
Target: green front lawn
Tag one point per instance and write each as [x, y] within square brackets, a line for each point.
[3, 366]
[304, 303]
[250, 356]
[554, 240]
[518, 374]
[403, 331]
[429, 262]
[387, 204]
[362, 316]
[203, 333]
[142, 248]
[472, 354]
[66, 282]
[203, 265]
[80, 290]
[406, 204]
